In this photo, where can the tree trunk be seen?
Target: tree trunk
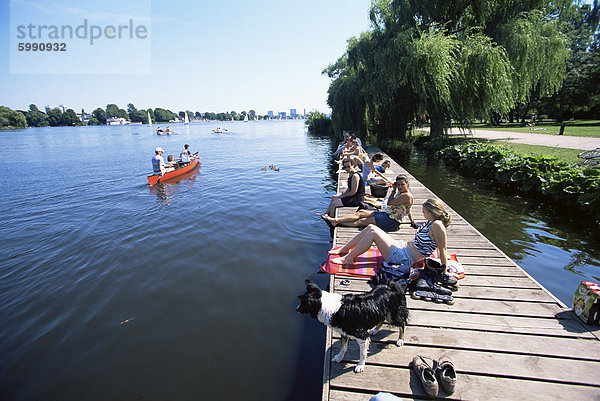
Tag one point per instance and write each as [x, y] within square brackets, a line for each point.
[438, 127]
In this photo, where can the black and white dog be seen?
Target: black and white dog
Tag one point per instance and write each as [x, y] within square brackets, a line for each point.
[357, 316]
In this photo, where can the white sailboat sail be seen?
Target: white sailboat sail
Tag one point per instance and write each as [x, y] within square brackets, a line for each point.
[186, 119]
[246, 118]
[149, 120]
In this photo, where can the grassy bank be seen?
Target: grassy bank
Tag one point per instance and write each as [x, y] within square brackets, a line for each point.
[589, 128]
[538, 172]
[561, 154]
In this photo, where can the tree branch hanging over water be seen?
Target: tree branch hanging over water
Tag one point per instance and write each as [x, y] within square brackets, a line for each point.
[453, 61]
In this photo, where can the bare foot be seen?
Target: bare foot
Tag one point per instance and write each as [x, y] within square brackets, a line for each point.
[342, 261]
[329, 220]
[337, 251]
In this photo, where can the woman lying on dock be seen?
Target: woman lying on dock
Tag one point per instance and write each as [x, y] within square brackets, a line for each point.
[430, 236]
[398, 209]
[354, 195]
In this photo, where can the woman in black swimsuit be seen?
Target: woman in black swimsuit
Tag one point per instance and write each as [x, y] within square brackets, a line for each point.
[354, 195]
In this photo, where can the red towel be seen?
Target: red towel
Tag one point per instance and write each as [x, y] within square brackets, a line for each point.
[366, 265]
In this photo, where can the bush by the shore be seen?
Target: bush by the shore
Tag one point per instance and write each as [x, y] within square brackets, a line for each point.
[318, 123]
[571, 187]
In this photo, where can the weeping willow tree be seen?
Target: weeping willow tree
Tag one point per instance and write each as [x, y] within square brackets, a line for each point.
[451, 60]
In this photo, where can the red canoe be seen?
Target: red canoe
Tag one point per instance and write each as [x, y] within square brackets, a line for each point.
[153, 179]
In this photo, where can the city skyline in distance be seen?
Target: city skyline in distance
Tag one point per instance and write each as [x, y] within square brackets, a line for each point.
[270, 57]
[63, 107]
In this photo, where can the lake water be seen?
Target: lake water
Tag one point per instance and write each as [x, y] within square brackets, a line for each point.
[110, 289]
[207, 269]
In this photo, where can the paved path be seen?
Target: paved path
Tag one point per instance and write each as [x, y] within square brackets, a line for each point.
[569, 142]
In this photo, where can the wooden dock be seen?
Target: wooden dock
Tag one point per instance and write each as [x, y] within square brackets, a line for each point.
[509, 337]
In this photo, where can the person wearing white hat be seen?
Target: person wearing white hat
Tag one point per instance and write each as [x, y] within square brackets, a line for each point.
[158, 163]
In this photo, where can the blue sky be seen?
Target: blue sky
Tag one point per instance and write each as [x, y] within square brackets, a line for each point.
[204, 55]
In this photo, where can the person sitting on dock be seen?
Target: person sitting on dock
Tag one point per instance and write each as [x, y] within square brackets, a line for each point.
[396, 212]
[373, 179]
[357, 139]
[369, 169]
[430, 236]
[383, 166]
[353, 149]
[345, 142]
[354, 195]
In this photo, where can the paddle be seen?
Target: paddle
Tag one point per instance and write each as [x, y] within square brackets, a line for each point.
[157, 181]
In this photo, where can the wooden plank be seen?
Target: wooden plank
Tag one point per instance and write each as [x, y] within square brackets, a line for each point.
[491, 293]
[534, 367]
[487, 281]
[489, 306]
[527, 344]
[526, 309]
[492, 271]
[471, 280]
[568, 326]
[403, 232]
[341, 395]
[328, 356]
[469, 386]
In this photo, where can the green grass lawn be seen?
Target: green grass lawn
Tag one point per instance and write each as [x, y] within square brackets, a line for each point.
[566, 155]
[572, 128]
[563, 154]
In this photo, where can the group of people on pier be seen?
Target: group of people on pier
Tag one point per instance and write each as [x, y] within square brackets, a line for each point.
[396, 210]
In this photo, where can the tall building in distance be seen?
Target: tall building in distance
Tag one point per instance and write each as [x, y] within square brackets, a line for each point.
[62, 108]
[293, 113]
[270, 113]
[282, 115]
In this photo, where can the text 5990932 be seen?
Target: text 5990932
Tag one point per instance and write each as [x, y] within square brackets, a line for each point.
[42, 47]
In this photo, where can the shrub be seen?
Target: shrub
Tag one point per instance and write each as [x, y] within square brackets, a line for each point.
[318, 123]
[536, 176]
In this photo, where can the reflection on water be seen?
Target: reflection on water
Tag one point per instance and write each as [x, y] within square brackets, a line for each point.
[167, 190]
[556, 250]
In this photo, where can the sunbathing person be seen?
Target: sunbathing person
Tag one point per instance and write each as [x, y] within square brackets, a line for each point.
[396, 212]
[430, 236]
[354, 195]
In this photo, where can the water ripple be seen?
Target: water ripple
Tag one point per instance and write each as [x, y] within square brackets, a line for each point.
[184, 264]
